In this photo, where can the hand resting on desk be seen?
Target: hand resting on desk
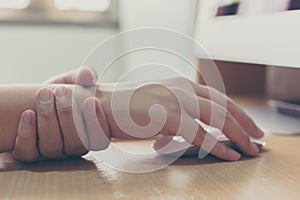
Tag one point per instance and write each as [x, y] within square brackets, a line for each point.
[237, 125]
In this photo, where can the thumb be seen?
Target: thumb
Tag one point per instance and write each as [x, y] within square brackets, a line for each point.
[85, 76]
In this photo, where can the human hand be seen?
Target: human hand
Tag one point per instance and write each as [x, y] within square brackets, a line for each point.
[51, 133]
[237, 125]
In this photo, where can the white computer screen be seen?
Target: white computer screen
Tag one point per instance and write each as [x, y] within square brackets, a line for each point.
[251, 31]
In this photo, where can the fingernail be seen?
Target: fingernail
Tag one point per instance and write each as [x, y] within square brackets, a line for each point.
[260, 133]
[87, 77]
[27, 118]
[254, 148]
[234, 155]
[44, 96]
[62, 92]
[92, 73]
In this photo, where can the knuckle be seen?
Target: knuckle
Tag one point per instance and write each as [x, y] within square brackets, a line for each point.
[45, 115]
[65, 111]
[62, 104]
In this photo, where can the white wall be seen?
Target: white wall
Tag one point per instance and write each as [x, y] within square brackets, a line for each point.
[174, 14]
[31, 54]
[177, 15]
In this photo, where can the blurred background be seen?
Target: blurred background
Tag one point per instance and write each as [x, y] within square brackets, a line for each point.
[42, 38]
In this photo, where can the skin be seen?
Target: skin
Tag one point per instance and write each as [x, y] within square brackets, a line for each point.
[237, 127]
[51, 133]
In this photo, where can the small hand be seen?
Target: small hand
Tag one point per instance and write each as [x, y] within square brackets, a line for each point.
[51, 134]
[237, 125]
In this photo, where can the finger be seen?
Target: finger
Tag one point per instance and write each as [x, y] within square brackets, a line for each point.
[74, 137]
[84, 76]
[96, 124]
[26, 142]
[242, 118]
[50, 138]
[217, 116]
[207, 142]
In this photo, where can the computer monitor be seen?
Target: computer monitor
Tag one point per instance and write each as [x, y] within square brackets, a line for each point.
[251, 31]
[254, 31]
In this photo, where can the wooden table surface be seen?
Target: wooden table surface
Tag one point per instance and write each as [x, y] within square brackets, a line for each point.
[273, 174]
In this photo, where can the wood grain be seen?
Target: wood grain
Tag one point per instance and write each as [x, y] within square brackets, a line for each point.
[274, 174]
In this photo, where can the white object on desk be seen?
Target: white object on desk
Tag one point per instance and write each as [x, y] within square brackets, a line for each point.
[273, 122]
[176, 146]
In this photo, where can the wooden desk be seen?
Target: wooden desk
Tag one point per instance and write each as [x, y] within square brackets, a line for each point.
[274, 174]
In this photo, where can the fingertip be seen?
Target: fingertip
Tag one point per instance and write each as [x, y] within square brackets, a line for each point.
[44, 95]
[87, 77]
[234, 156]
[225, 152]
[25, 149]
[260, 133]
[28, 117]
[253, 149]
[27, 126]
[96, 124]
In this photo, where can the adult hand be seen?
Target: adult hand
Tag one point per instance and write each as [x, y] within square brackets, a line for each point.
[237, 125]
[51, 133]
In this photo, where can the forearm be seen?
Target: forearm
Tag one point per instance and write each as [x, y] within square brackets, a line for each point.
[14, 100]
